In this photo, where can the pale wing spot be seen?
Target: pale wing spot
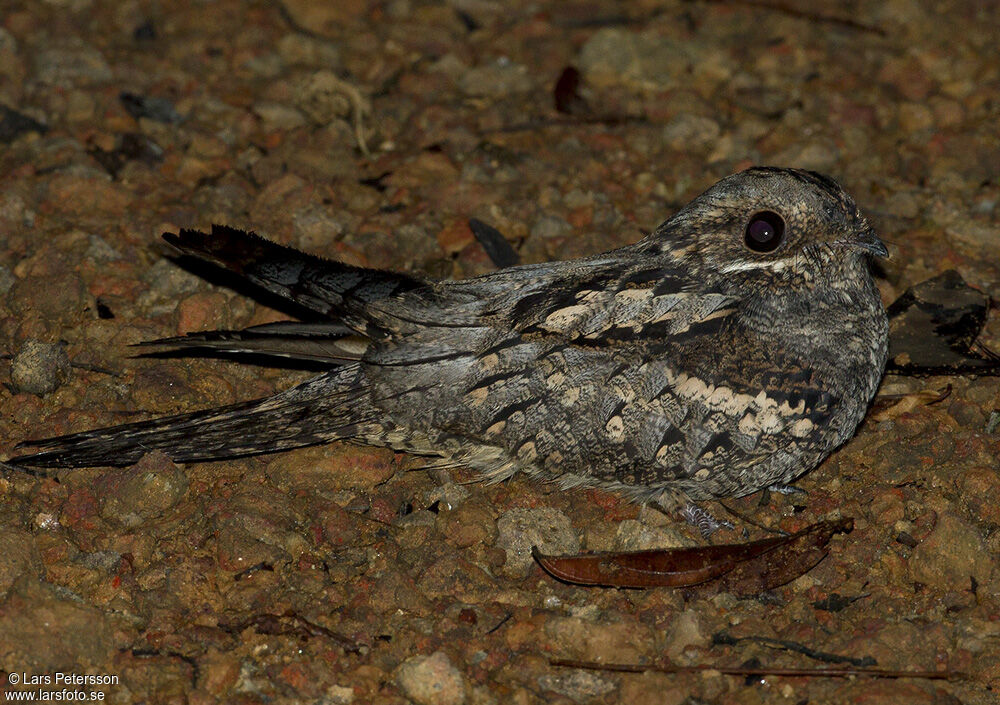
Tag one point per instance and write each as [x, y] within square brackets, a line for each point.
[802, 428]
[563, 318]
[496, 429]
[763, 401]
[702, 474]
[615, 428]
[527, 453]
[589, 296]
[749, 425]
[786, 410]
[571, 396]
[770, 420]
[477, 396]
[717, 314]
[664, 317]
[490, 361]
[633, 296]
[554, 458]
[693, 388]
[623, 389]
[555, 380]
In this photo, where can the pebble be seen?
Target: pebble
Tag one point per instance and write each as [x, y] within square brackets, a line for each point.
[20, 557]
[578, 685]
[27, 616]
[642, 61]
[142, 492]
[546, 528]
[69, 63]
[951, 556]
[688, 131]
[431, 680]
[39, 368]
[496, 79]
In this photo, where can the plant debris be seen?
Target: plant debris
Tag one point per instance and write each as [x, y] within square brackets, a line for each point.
[742, 569]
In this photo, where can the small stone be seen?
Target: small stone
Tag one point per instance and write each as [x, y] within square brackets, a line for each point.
[44, 630]
[623, 640]
[300, 49]
[7, 279]
[633, 535]
[39, 368]
[613, 57]
[546, 528]
[340, 694]
[550, 226]
[578, 685]
[951, 556]
[19, 556]
[69, 63]
[141, 492]
[278, 117]
[326, 19]
[688, 131]
[496, 80]
[431, 680]
[685, 631]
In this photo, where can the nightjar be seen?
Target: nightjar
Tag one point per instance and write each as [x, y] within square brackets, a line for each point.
[731, 349]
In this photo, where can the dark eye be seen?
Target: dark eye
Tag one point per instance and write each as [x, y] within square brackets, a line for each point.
[765, 231]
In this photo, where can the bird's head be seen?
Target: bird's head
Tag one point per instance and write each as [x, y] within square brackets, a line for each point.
[769, 225]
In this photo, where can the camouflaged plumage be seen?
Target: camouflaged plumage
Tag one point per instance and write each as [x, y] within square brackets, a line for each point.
[685, 366]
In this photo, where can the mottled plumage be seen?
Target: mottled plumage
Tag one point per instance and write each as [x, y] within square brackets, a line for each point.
[733, 348]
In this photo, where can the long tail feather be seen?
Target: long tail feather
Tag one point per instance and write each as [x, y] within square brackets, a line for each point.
[328, 407]
[317, 342]
[334, 289]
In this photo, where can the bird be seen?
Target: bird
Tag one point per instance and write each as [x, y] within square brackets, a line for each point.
[729, 350]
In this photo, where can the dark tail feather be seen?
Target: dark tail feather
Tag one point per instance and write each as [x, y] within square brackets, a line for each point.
[331, 406]
[334, 289]
[317, 342]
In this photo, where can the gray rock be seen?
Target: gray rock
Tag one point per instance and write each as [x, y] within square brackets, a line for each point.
[550, 226]
[141, 492]
[71, 63]
[641, 61]
[431, 680]
[520, 529]
[497, 79]
[39, 368]
[578, 685]
[688, 131]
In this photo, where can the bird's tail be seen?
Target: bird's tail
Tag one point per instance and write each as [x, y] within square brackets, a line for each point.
[332, 406]
[329, 343]
[338, 291]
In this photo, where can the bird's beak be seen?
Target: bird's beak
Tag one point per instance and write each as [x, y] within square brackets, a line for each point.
[871, 243]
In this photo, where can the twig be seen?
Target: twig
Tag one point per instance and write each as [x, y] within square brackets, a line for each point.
[743, 671]
[802, 14]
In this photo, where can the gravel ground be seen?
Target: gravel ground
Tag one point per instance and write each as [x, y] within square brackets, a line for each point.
[371, 132]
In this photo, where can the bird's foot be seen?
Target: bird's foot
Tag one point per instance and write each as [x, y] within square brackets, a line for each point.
[703, 520]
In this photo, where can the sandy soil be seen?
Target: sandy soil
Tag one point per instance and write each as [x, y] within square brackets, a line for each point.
[371, 132]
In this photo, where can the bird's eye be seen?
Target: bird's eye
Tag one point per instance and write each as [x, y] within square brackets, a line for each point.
[765, 231]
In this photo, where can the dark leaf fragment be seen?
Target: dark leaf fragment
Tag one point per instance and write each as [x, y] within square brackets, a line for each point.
[13, 124]
[499, 250]
[742, 569]
[566, 93]
[933, 328]
[151, 107]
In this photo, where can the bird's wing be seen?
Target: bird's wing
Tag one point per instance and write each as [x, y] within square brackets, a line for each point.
[601, 301]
